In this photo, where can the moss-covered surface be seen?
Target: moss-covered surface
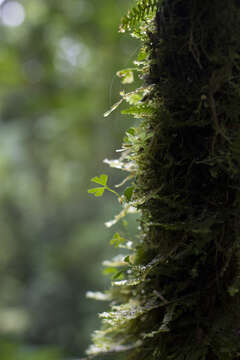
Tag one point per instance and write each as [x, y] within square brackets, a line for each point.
[178, 294]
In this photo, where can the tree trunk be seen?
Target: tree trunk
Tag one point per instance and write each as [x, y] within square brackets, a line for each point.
[185, 301]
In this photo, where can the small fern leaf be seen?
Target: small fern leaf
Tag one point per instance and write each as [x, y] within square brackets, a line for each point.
[138, 14]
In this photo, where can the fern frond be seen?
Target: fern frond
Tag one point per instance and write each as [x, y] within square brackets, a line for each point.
[138, 14]
[139, 111]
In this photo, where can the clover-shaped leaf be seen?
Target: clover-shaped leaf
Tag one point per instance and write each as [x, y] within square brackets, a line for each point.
[98, 191]
[101, 180]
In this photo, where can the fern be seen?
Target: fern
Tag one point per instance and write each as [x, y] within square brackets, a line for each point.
[138, 14]
[139, 111]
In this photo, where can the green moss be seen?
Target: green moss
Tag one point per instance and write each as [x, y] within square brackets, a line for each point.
[179, 298]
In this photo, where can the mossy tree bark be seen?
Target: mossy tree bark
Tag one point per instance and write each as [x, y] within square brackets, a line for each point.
[184, 303]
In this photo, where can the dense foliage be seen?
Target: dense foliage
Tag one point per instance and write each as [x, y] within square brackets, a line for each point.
[176, 294]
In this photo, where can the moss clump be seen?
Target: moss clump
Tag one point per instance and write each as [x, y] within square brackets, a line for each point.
[179, 297]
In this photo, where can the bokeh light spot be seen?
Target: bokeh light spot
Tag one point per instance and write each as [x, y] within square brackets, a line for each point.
[12, 13]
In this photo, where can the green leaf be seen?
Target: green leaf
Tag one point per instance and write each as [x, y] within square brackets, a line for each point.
[126, 75]
[102, 179]
[127, 259]
[133, 98]
[142, 55]
[131, 131]
[109, 271]
[118, 275]
[97, 191]
[233, 291]
[117, 240]
[128, 193]
[139, 111]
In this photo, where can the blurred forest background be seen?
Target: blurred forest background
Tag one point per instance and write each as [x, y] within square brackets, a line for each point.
[58, 60]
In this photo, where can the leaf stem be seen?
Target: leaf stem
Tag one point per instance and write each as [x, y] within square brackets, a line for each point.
[114, 192]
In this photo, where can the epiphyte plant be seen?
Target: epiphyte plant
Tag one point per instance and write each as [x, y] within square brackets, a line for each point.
[179, 296]
[99, 191]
